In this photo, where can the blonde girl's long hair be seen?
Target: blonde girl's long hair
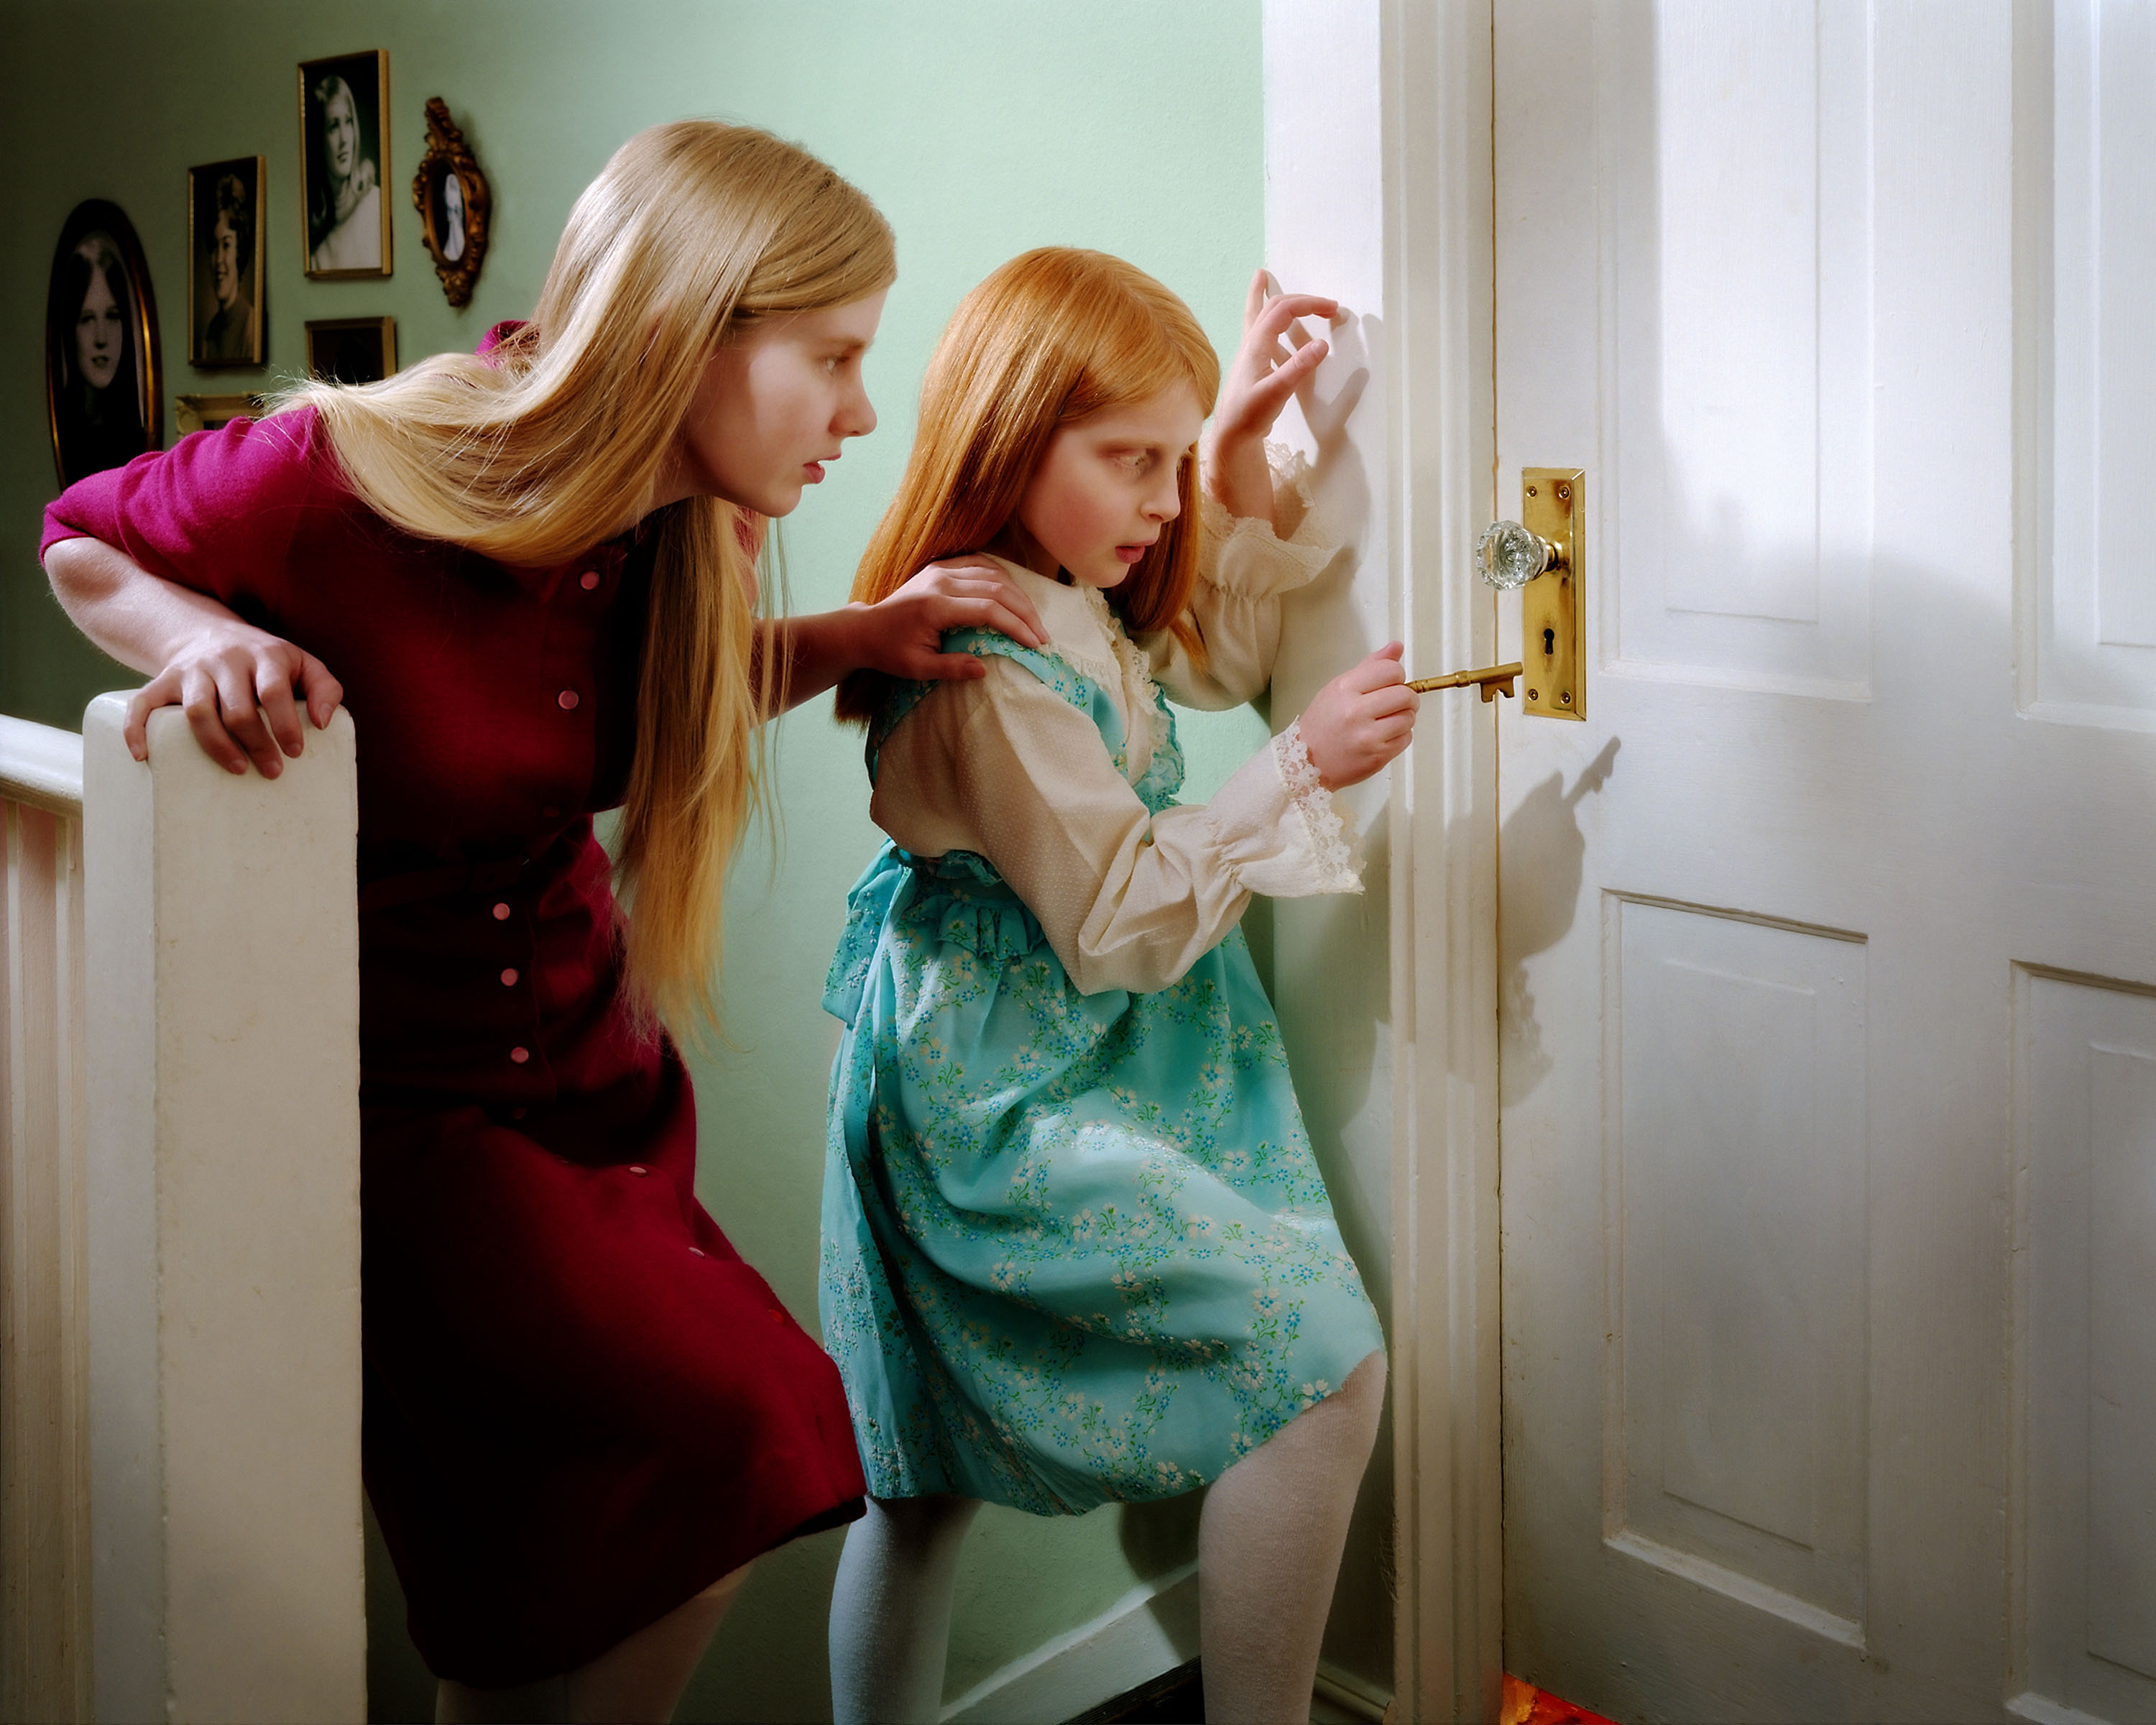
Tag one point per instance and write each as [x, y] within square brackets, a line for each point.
[559, 438]
[1053, 336]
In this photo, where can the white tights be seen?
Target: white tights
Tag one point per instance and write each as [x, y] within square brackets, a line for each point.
[1269, 1543]
[639, 1679]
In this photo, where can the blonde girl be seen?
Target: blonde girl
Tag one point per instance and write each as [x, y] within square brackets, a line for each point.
[529, 575]
[1076, 1247]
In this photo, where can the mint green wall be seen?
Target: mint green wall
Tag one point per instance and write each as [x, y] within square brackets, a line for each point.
[981, 127]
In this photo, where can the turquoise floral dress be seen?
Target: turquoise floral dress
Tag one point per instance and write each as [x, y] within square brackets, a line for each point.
[1076, 1247]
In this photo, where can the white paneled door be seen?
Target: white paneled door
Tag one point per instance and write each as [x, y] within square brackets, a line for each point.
[1827, 940]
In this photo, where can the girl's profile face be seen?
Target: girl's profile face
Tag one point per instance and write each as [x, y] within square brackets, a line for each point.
[1106, 488]
[99, 332]
[774, 406]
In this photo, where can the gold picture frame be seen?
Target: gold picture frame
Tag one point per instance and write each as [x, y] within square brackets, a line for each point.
[344, 166]
[352, 350]
[224, 264]
[104, 371]
[213, 413]
[453, 202]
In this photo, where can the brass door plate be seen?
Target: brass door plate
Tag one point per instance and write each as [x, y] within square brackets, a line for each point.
[1554, 606]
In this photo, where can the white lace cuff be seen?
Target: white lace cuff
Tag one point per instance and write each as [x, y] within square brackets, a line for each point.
[1277, 827]
[1324, 835]
[1245, 558]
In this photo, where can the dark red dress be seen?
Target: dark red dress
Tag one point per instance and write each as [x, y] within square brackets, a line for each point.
[582, 1406]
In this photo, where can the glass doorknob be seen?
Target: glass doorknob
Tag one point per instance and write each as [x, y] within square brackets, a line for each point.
[1508, 556]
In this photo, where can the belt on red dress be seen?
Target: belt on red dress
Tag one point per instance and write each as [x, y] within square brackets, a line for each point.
[414, 884]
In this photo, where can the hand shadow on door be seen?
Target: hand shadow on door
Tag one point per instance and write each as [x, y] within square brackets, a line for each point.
[1538, 911]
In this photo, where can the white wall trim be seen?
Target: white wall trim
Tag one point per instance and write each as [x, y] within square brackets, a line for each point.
[1448, 1450]
[1153, 1629]
[1404, 219]
[2042, 1710]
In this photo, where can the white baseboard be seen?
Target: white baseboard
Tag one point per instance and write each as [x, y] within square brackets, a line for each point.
[1341, 1697]
[2042, 1710]
[1153, 1629]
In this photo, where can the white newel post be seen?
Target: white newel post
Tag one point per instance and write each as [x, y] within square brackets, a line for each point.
[223, 1039]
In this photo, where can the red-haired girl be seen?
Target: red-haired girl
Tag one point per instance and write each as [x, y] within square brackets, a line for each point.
[1075, 1246]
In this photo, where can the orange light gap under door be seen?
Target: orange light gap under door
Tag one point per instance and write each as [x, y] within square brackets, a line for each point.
[1525, 1705]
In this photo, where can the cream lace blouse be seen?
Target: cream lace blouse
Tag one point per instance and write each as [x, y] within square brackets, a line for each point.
[1005, 768]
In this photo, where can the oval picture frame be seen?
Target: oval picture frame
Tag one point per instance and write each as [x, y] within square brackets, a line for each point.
[92, 429]
[453, 202]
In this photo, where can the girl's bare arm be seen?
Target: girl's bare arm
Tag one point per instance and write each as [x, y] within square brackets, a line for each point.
[235, 682]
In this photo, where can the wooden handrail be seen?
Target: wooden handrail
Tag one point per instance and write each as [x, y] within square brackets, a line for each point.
[41, 766]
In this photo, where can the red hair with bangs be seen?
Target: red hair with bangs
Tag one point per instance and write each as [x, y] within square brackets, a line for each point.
[1053, 336]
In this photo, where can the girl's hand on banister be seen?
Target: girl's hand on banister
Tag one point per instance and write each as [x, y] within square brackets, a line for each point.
[1276, 360]
[1357, 723]
[234, 680]
[236, 684]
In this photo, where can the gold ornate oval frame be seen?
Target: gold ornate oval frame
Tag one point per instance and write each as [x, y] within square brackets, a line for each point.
[446, 155]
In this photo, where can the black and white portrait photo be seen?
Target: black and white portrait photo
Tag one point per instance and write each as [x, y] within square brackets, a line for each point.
[224, 282]
[344, 135]
[352, 350]
[450, 217]
[101, 369]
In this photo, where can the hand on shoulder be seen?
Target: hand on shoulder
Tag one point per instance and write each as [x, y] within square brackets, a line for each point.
[903, 634]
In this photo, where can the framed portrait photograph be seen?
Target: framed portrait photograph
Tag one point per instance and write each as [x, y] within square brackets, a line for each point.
[344, 153]
[352, 350]
[213, 413]
[451, 195]
[224, 273]
[103, 378]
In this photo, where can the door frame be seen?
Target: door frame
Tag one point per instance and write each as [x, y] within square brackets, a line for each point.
[1378, 187]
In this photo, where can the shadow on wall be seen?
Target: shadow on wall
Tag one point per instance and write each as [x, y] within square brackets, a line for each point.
[1338, 468]
[1538, 910]
[1158, 1537]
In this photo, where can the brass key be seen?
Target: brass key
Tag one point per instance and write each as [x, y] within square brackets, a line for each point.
[1495, 680]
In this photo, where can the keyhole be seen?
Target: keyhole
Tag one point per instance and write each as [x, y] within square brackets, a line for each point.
[1549, 644]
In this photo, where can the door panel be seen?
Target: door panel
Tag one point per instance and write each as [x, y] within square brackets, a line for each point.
[2088, 1342]
[1739, 1163]
[1828, 941]
[2095, 653]
[1735, 221]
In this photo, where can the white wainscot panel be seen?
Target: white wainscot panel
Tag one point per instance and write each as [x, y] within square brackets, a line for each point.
[2095, 614]
[1739, 351]
[1737, 1404]
[2087, 1342]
